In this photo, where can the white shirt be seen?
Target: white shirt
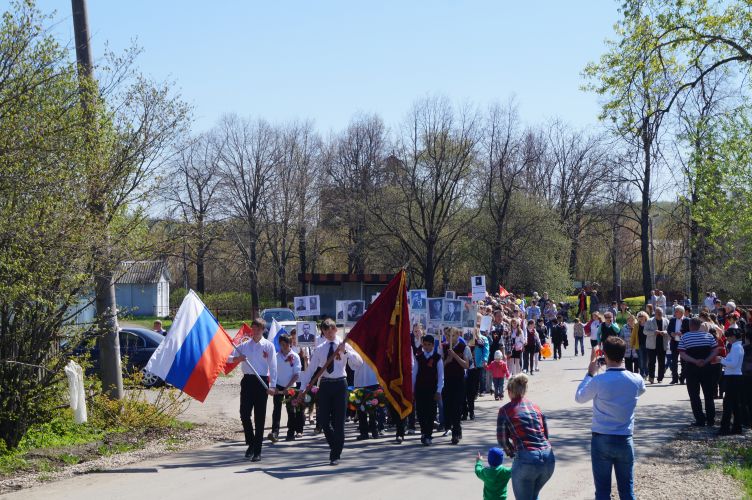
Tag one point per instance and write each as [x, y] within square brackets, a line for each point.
[365, 376]
[320, 355]
[733, 362]
[709, 302]
[660, 301]
[439, 368]
[262, 356]
[594, 329]
[287, 367]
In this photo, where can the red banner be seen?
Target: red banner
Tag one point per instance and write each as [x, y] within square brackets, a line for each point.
[382, 338]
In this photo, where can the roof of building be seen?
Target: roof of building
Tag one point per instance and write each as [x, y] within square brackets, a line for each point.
[141, 271]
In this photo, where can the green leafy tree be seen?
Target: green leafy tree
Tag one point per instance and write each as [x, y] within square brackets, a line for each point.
[45, 228]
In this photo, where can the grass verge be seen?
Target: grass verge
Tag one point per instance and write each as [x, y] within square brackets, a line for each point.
[737, 462]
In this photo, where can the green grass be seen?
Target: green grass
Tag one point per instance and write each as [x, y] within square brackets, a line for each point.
[635, 303]
[69, 458]
[737, 462]
[112, 449]
[49, 447]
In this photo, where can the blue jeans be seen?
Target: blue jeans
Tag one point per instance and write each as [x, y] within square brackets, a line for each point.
[498, 387]
[581, 342]
[608, 451]
[530, 471]
[642, 353]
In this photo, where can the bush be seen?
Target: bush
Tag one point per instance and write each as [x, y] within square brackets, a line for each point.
[134, 412]
[225, 305]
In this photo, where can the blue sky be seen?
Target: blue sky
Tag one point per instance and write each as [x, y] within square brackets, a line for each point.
[326, 60]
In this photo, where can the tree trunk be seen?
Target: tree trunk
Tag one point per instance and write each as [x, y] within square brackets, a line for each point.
[109, 339]
[694, 255]
[429, 269]
[200, 273]
[575, 248]
[253, 270]
[495, 277]
[647, 282]
[303, 261]
[282, 286]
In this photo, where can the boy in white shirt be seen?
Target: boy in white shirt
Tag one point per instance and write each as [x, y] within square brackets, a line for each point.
[288, 374]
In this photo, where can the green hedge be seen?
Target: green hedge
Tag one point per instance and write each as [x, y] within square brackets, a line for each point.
[230, 305]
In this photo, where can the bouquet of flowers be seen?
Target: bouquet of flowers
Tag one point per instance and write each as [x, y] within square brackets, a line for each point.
[298, 401]
[366, 400]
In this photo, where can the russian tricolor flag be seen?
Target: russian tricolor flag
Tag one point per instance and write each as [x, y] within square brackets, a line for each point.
[194, 351]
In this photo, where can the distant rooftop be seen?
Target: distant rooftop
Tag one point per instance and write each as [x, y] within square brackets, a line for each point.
[141, 271]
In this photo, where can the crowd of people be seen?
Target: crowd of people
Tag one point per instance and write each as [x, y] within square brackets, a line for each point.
[706, 351]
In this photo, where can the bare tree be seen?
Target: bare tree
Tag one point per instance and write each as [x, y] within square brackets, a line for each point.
[290, 190]
[194, 195]
[251, 152]
[428, 202]
[503, 143]
[354, 165]
[579, 168]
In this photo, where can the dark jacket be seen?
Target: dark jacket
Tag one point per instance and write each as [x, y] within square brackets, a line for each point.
[672, 326]
[559, 334]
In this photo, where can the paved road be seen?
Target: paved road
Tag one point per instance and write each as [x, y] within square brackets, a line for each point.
[379, 469]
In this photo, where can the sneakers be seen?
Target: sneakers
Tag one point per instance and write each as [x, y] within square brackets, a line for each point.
[256, 458]
[249, 452]
[273, 437]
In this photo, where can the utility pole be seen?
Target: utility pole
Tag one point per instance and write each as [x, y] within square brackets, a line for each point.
[104, 286]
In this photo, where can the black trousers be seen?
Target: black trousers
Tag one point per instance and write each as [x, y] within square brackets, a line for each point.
[399, 423]
[530, 355]
[632, 364]
[253, 398]
[658, 354]
[471, 390]
[367, 423]
[453, 397]
[732, 402]
[330, 417]
[701, 378]
[294, 418]
[676, 363]
[557, 350]
[426, 408]
[746, 391]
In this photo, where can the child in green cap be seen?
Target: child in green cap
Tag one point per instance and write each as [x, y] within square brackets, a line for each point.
[495, 477]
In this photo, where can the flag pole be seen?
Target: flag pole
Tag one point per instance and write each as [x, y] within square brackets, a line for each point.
[234, 349]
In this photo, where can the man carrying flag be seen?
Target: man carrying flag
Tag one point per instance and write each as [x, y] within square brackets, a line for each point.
[329, 360]
[194, 351]
[258, 382]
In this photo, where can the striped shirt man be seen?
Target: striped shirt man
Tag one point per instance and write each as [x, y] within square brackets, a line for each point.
[699, 345]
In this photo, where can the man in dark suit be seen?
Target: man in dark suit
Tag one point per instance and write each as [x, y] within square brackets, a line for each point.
[306, 336]
[677, 326]
[418, 303]
[452, 314]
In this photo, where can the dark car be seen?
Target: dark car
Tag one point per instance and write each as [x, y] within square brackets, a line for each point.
[136, 347]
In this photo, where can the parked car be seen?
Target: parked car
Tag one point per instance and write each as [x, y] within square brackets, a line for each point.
[136, 347]
[285, 317]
